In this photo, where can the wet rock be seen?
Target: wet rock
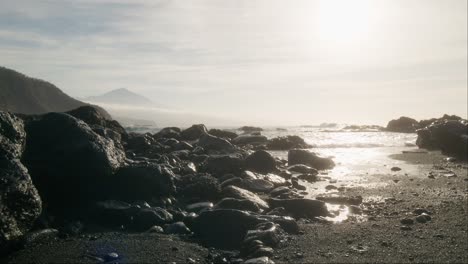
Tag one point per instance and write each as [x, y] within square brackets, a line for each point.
[69, 164]
[222, 134]
[403, 124]
[20, 204]
[199, 187]
[210, 142]
[220, 165]
[249, 139]
[168, 132]
[287, 143]
[236, 181]
[142, 181]
[239, 193]
[155, 229]
[148, 217]
[301, 168]
[177, 228]
[257, 185]
[280, 211]
[261, 161]
[301, 208]
[407, 221]
[279, 190]
[194, 132]
[198, 207]
[337, 199]
[238, 204]
[182, 145]
[301, 156]
[275, 179]
[308, 177]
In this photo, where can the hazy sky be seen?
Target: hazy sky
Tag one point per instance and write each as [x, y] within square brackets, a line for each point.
[259, 61]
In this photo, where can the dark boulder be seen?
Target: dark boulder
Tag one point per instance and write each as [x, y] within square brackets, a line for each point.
[225, 164]
[301, 208]
[210, 142]
[301, 168]
[194, 132]
[239, 193]
[287, 143]
[250, 129]
[249, 139]
[238, 204]
[403, 124]
[147, 217]
[12, 136]
[142, 181]
[168, 132]
[451, 136]
[222, 134]
[261, 161]
[199, 187]
[301, 156]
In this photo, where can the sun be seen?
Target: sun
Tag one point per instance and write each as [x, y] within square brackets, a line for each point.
[344, 22]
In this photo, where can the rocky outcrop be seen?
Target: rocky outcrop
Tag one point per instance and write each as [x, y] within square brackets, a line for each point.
[261, 161]
[68, 162]
[403, 125]
[287, 143]
[450, 136]
[222, 134]
[194, 132]
[302, 156]
[20, 204]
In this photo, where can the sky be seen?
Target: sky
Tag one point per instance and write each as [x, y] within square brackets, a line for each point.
[272, 62]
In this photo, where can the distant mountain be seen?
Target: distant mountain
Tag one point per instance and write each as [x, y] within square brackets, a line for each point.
[120, 96]
[25, 95]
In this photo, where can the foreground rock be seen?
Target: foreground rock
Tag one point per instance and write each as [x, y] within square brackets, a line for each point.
[261, 162]
[194, 132]
[403, 124]
[450, 136]
[20, 204]
[301, 156]
[68, 162]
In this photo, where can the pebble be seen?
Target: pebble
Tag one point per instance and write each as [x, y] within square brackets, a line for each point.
[111, 257]
[395, 169]
[423, 218]
[406, 228]
[407, 221]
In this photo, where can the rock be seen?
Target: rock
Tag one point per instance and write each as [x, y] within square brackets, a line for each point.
[112, 213]
[258, 185]
[261, 161]
[194, 132]
[224, 228]
[222, 134]
[275, 179]
[236, 181]
[451, 136]
[407, 221]
[200, 187]
[168, 132]
[287, 143]
[142, 181]
[182, 145]
[20, 204]
[39, 236]
[279, 190]
[308, 177]
[260, 260]
[148, 217]
[269, 233]
[406, 228]
[297, 185]
[249, 139]
[301, 168]
[155, 229]
[301, 156]
[419, 211]
[68, 162]
[403, 125]
[220, 165]
[249, 129]
[238, 204]
[239, 193]
[301, 208]
[423, 218]
[395, 169]
[111, 257]
[177, 228]
[210, 142]
[197, 207]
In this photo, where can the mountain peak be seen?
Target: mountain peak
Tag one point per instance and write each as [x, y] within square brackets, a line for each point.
[121, 96]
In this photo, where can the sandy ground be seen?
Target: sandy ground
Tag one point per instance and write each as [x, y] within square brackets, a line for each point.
[376, 237]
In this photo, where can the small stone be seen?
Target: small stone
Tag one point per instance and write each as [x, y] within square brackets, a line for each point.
[419, 211]
[299, 255]
[407, 221]
[111, 256]
[395, 169]
[406, 228]
[422, 218]
[191, 260]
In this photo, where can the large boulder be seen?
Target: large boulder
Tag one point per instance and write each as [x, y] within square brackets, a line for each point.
[287, 143]
[301, 208]
[142, 181]
[20, 204]
[451, 136]
[403, 124]
[249, 139]
[209, 142]
[194, 132]
[222, 133]
[96, 118]
[302, 156]
[68, 162]
[261, 161]
[225, 164]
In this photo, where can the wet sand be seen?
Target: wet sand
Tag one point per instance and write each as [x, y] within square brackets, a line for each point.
[377, 239]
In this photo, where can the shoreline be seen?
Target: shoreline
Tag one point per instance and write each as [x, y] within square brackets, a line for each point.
[378, 239]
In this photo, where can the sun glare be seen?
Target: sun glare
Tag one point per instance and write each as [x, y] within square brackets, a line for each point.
[343, 22]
